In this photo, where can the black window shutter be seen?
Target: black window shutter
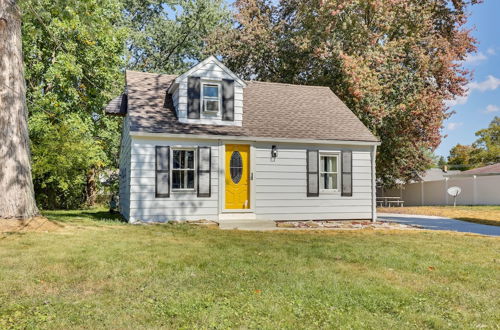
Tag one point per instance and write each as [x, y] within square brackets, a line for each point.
[312, 173]
[347, 173]
[162, 171]
[227, 99]
[204, 169]
[194, 86]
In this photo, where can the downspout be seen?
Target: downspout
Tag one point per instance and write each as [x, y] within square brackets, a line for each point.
[374, 185]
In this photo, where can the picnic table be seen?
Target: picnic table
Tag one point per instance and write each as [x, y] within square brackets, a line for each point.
[390, 201]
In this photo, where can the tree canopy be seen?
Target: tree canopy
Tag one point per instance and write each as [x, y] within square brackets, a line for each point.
[484, 151]
[394, 63]
[169, 36]
[73, 53]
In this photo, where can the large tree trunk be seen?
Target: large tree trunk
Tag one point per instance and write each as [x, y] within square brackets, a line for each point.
[91, 188]
[17, 197]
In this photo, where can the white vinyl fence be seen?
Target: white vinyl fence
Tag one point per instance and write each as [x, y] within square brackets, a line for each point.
[476, 190]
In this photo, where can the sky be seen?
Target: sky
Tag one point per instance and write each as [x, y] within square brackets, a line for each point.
[482, 104]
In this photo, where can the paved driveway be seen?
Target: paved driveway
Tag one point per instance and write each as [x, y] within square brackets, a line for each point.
[439, 223]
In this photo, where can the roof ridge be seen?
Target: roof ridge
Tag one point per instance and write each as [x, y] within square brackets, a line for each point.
[285, 84]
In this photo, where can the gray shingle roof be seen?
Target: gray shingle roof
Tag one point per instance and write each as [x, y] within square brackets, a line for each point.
[489, 169]
[117, 106]
[269, 110]
[436, 174]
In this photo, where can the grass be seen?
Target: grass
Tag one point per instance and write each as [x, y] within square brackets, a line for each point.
[98, 272]
[488, 215]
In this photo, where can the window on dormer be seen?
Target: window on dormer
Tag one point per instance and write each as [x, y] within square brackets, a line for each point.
[211, 97]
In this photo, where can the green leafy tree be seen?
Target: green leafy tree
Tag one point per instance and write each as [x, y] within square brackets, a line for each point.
[461, 158]
[488, 144]
[169, 36]
[484, 151]
[394, 63]
[73, 52]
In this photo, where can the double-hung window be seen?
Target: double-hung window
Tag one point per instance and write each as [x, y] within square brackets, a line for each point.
[183, 169]
[329, 172]
[211, 97]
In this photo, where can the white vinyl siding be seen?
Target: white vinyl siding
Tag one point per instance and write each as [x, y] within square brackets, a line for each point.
[281, 187]
[181, 205]
[278, 189]
[209, 73]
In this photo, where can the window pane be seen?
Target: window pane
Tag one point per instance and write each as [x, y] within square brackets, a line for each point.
[183, 179]
[176, 159]
[211, 105]
[236, 167]
[332, 163]
[189, 179]
[325, 182]
[176, 179]
[183, 159]
[183, 172]
[190, 159]
[328, 163]
[210, 90]
[328, 181]
[333, 181]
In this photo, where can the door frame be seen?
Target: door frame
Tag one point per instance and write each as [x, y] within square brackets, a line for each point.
[222, 177]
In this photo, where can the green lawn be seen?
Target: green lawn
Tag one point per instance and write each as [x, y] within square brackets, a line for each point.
[98, 272]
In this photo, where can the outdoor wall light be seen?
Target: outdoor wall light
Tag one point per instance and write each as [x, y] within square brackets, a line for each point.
[274, 151]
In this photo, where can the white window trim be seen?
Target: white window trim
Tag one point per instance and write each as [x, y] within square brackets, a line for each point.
[320, 171]
[202, 97]
[195, 164]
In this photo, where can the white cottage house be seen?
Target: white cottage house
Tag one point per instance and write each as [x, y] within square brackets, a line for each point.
[209, 145]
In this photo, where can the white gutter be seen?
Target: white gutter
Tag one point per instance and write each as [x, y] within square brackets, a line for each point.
[249, 138]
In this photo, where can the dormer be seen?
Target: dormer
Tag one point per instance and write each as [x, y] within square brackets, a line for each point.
[209, 93]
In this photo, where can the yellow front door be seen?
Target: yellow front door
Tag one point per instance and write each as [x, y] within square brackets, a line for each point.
[237, 176]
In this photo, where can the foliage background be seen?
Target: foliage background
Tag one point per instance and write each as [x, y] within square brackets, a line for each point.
[484, 151]
[73, 57]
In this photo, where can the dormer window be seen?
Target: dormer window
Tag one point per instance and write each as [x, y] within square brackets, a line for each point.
[211, 97]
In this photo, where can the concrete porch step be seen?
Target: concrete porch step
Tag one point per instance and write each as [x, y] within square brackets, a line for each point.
[246, 224]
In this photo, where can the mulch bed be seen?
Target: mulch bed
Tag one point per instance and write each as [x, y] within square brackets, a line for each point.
[336, 224]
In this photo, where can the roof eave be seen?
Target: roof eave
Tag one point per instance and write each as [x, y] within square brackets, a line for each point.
[253, 138]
